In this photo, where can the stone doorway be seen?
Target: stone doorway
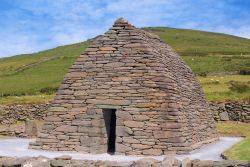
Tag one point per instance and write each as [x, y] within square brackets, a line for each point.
[109, 116]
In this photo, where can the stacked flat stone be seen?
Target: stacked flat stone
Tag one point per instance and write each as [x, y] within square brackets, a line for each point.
[11, 114]
[234, 111]
[160, 105]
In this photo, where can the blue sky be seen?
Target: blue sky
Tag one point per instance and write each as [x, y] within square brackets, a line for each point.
[28, 26]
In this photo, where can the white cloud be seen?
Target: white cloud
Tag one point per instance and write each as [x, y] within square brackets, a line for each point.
[242, 31]
[18, 43]
[42, 24]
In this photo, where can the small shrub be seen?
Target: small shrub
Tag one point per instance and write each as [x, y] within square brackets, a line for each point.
[203, 74]
[237, 86]
[227, 59]
[48, 90]
[12, 94]
[245, 71]
[216, 82]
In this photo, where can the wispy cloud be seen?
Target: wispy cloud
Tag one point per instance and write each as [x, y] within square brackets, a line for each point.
[30, 26]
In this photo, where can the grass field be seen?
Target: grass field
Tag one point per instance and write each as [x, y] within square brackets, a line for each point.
[240, 151]
[28, 99]
[19, 63]
[216, 87]
[217, 64]
[43, 74]
[193, 42]
[24, 77]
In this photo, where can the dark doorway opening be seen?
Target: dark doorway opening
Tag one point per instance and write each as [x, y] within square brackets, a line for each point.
[109, 116]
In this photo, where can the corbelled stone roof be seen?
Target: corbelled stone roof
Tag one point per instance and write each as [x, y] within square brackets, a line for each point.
[159, 103]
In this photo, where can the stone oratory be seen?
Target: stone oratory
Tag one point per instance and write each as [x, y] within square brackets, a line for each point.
[128, 93]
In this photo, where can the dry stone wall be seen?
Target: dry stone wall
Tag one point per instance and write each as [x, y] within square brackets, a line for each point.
[10, 114]
[13, 118]
[67, 161]
[159, 104]
[233, 111]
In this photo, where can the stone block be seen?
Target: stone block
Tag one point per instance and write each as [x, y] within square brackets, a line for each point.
[134, 124]
[142, 133]
[76, 75]
[140, 146]
[119, 79]
[203, 163]
[124, 115]
[107, 48]
[121, 148]
[80, 122]
[59, 109]
[82, 149]
[31, 128]
[66, 128]
[165, 134]
[122, 131]
[58, 163]
[130, 140]
[53, 119]
[109, 102]
[47, 140]
[140, 117]
[63, 157]
[146, 105]
[63, 137]
[83, 129]
[186, 163]
[145, 162]
[155, 152]
[97, 123]
[224, 116]
[171, 125]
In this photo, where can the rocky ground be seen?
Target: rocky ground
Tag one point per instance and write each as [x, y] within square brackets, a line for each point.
[67, 161]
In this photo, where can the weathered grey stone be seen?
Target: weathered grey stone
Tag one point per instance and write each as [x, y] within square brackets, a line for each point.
[30, 128]
[121, 131]
[37, 162]
[108, 102]
[130, 140]
[140, 118]
[63, 137]
[224, 116]
[58, 163]
[203, 163]
[186, 163]
[141, 146]
[13, 162]
[63, 157]
[124, 115]
[66, 128]
[122, 148]
[145, 162]
[152, 152]
[53, 119]
[168, 161]
[134, 124]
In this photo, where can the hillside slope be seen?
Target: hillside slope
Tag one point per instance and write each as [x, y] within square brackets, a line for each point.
[42, 72]
[194, 42]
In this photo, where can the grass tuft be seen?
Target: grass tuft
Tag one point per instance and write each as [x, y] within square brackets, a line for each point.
[240, 151]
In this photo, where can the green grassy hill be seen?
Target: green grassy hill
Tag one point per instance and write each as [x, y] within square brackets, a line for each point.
[194, 42]
[206, 53]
